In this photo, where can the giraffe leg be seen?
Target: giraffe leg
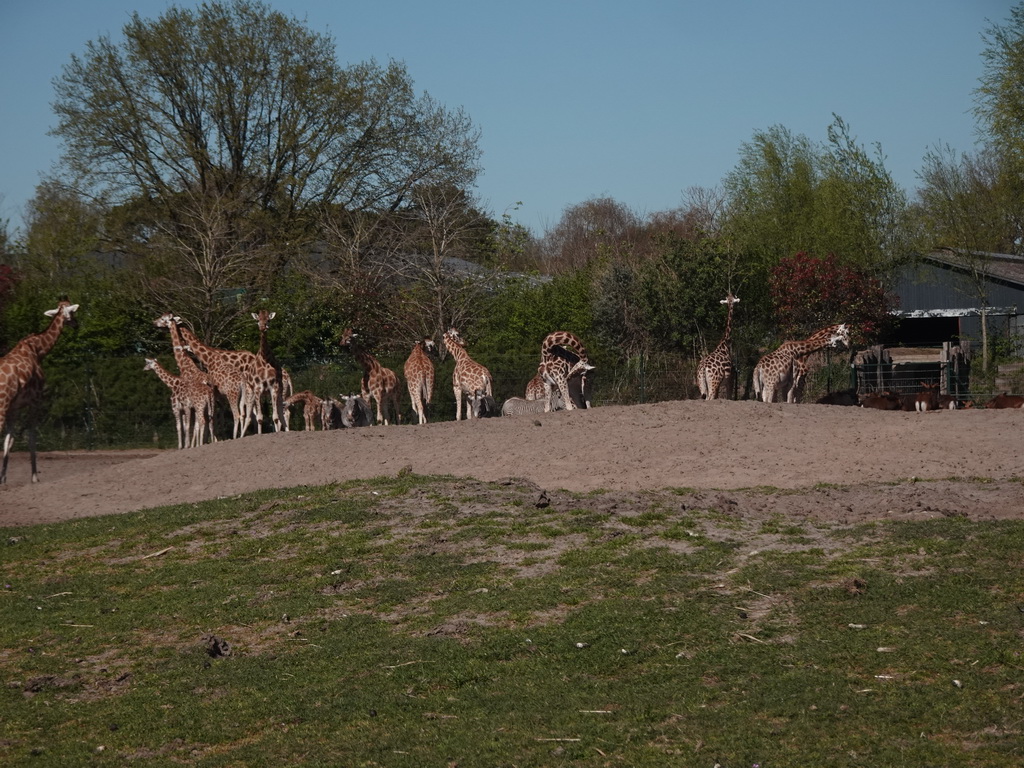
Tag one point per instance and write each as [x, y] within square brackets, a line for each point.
[458, 403]
[32, 451]
[8, 443]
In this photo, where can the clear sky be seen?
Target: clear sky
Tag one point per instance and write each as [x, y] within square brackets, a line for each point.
[637, 100]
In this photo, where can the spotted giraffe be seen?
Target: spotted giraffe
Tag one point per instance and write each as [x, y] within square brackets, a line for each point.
[21, 382]
[562, 356]
[232, 373]
[775, 374]
[272, 378]
[201, 391]
[186, 400]
[716, 373]
[468, 376]
[419, 376]
[378, 383]
[312, 407]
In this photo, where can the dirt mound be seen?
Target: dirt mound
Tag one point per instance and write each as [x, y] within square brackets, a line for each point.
[717, 445]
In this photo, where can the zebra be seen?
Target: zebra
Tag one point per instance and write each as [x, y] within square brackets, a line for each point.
[355, 412]
[517, 406]
[483, 405]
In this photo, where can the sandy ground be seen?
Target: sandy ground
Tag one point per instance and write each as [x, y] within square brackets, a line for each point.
[878, 460]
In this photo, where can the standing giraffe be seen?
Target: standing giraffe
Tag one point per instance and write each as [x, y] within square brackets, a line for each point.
[562, 356]
[312, 406]
[273, 378]
[187, 397]
[775, 373]
[715, 372]
[468, 376]
[21, 382]
[201, 391]
[379, 383]
[419, 376]
[232, 373]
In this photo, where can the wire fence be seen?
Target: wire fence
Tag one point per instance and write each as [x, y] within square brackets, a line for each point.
[105, 403]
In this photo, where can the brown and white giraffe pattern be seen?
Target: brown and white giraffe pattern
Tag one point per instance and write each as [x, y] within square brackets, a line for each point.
[312, 407]
[419, 377]
[184, 404]
[378, 383]
[271, 377]
[201, 395]
[562, 356]
[775, 374]
[716, 374]
[468, 377]
[21, 382]
[232, 372]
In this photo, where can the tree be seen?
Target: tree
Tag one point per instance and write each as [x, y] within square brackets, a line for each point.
[789, 194]
[439, 229]
[597, 228]
[230, 125]
[1000, 99]
[809, 293]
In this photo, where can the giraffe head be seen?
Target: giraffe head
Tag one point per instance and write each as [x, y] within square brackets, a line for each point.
[166, 320]
[263, 318]
[150, 364]
[428, 345]
[730, 300]
[346, 337]
[67, 312]
[453, 336]
[840, 335]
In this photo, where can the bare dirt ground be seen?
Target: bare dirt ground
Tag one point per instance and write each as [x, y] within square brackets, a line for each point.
[846, 464]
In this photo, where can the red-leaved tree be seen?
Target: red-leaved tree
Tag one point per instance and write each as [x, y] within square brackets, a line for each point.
[809, 293]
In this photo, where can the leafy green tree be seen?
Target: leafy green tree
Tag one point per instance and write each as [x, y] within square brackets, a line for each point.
[227, 127]
[1000, 113]
[788, 195]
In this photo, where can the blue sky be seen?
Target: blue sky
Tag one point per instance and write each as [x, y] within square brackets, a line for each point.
[637, 101]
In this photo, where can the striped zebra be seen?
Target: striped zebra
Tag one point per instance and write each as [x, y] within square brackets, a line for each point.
[517, 406]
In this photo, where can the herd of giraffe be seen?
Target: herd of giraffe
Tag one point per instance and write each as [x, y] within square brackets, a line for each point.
[778, 376]
[243, 378]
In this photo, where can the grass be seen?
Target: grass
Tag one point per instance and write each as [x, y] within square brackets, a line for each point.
[419, 621]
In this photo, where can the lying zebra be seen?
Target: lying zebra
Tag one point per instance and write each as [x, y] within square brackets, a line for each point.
[517, 406]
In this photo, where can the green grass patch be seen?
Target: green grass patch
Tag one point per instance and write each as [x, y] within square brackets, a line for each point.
[416, 621]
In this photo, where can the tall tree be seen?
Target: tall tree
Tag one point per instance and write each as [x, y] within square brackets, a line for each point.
[789, 195]
[235, 123]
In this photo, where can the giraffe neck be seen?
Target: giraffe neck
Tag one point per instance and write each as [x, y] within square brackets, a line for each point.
[457, 351]
[365, 359]
[185, 363]
[207, 355]
[41, 343]
[811, 345]
[728, 324]
[165, 376]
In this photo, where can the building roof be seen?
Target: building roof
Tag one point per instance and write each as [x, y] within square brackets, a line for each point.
[996, 266]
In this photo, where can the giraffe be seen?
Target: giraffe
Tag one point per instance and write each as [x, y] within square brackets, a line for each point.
[378, 383]
[312, 406]
[562, 356]
[232, 373]
[535, 388]
[202, 395]
[715, 372]
[419, 376]
[187, 397]
[21, 382]
[776, 373]
[273, 378]
[468, 376]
